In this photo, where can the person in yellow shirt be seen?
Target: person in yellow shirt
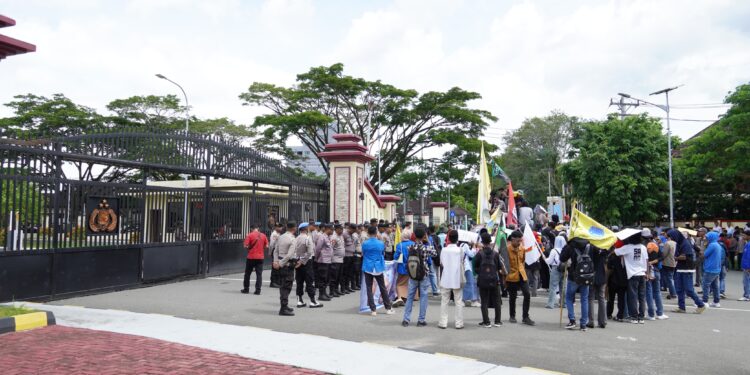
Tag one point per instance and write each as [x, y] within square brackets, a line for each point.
[517, 279]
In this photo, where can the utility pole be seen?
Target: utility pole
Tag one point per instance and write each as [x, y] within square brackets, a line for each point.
[623, 105]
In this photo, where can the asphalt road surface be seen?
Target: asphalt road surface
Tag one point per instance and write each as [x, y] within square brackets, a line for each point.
[711, 343]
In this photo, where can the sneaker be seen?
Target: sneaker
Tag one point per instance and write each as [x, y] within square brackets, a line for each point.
[548, 307]
[662, 317]
[301, 303]
[744, 299]
[244, 291]
[584, 328]
[641, 321]
[442, 327]
[497, 324]
[476, 304]
[315, 305]
[571, 325]
[679, 311]
[651, 318]
[512, 320]
[404, 323]
[399, 302]
[459, 327]
[700, 310]
[389, 312]
[485, 325]
[715, 305]
[528, 322]
[421, 324]
[723, 296]
[632, 321]
[590, 324]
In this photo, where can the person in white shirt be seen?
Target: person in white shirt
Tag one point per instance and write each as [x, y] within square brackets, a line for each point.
[553, 260]
[636, 264]
[451, 260]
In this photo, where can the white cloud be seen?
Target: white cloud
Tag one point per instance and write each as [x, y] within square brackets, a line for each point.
[526, 58]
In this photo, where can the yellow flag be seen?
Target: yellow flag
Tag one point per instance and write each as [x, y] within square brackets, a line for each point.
[582, 226]
[398, 234]
[483, 193]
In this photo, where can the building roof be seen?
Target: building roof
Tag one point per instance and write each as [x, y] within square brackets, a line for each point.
[10, 46]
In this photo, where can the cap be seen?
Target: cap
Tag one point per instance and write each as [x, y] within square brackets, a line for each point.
[652, 246]
[646, 233]
[303, 226]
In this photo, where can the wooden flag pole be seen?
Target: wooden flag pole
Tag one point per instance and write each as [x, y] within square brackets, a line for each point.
[562, 293]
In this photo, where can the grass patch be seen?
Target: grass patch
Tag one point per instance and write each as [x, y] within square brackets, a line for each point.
[6, 311]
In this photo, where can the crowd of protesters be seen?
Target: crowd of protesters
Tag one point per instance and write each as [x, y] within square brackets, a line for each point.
[331, 260]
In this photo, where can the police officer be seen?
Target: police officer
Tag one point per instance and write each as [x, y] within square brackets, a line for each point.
[278, 230]
[337, 242]
[285, 259]
[323, 257]
[304, 273]
[347, 284]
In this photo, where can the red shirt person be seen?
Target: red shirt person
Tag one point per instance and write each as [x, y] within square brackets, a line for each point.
[256, 243]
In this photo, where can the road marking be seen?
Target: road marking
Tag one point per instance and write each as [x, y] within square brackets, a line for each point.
[455, 356]
[544, 371]
[627, 338]
[717, 331]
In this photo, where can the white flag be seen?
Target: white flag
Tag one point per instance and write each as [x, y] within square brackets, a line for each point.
[529, 244]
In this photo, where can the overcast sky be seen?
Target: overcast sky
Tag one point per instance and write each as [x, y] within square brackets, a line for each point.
[525, 58]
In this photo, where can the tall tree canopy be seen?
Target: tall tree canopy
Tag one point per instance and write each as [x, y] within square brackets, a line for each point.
[324, 100]
[712, 171]
[619, 170]
[534, 152]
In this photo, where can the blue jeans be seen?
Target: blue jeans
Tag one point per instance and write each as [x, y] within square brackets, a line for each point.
[746, 283]
[637, 297]
[470, 289]
[723, 279]
[570, 295]
[653, 295]
[554, 286]
[667, 273]
[423, 286]
[684, 285]
[711, 285]
[433, 279]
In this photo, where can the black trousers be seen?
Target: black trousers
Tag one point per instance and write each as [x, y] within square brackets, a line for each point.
[348, 273]
[357, 272]
[286, 279]
[321, 275]
[513, 288]
[389, 255]
[304, 276]
[275, 277]
[334, 275]
[383, 291]
[490, 297]
[257, 266]
[616, 292]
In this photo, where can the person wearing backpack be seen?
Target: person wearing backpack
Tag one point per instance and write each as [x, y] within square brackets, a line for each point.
[553, 261]
[417, 262]
[489, 270]
[635, 257]
[580, 276]
[435, 264]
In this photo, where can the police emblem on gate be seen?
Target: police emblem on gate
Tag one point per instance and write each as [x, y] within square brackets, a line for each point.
[103, 218]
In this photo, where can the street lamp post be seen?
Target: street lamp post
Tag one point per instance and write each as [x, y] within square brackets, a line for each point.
[664, 108]
[187, 127]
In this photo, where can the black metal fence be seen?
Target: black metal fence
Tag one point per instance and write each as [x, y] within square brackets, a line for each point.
[114, 209]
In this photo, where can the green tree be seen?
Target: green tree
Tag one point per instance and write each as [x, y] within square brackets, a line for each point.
[324, 101]
[534, 153]
[712, 170]
[619, 169]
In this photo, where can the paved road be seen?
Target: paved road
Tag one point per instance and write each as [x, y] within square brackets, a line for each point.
[710, 343]
[65, 350]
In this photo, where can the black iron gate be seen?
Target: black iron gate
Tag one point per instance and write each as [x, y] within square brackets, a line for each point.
[121, 208]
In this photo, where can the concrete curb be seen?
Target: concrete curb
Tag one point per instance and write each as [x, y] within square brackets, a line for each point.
[25, 322]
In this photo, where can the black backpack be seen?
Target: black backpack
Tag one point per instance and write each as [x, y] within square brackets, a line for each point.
[487, 275]
[415, 262]
[584, 271]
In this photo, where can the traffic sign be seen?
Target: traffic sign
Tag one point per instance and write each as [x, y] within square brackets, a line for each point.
[453, 213]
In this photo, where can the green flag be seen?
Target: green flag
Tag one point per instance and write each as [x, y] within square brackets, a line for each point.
[498, 172]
